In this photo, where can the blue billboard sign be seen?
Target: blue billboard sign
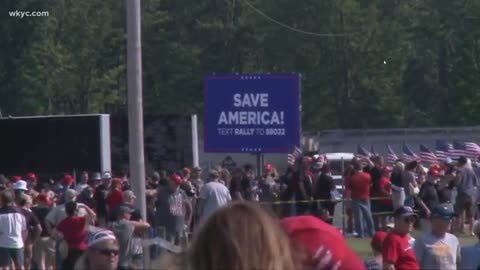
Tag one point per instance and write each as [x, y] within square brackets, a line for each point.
[251, 113]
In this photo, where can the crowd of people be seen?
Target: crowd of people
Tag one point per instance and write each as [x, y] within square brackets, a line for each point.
[376, 190]
[440, 200]
[92, 222]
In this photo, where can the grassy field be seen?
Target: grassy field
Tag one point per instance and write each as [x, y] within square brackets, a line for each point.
[362, 246]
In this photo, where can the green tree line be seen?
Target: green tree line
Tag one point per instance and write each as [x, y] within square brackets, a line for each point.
[365, 63]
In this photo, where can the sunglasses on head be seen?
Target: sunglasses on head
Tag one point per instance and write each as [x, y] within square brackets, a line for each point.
[108, 252]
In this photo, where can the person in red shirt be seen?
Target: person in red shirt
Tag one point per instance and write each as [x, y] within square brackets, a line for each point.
[384, 188]
[73, 231]
[323, 245]
[115, 197]
[396, 252]
[359, 187]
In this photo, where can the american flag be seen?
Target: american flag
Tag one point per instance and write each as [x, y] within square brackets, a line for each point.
[361, 151]
[443, 149]
[297, 153]
[426, 155]
[391, 156]
[472, 150]
[408, 154]
[372, 151]
[459, 150]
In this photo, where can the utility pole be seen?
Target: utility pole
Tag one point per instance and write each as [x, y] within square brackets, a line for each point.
[135, 107]
[195, 141]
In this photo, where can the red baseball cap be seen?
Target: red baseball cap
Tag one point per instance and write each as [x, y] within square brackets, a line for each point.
[175, 178]
[31, 177]
[434, 173]
[387, 169]
[67, 179]
[268, 167]
[325, 246]
[16, 178]
[436, 167]
[186, 170]
[377, 240]
[44, 198]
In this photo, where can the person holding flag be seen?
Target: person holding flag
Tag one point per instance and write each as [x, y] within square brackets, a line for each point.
[292, 157]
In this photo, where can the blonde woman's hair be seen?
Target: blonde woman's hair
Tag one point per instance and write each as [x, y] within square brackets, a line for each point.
[240, 236]
[225, 173]
[225, 176]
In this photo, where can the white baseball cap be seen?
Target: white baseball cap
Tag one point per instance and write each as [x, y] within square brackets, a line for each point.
[400, 165]
[20, 185]
[70, 195]
[390, 225]
[100, 236]
[107, 175]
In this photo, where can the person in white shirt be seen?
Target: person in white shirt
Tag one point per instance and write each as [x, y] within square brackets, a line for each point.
[438, 249]
[212, 196]
[58, 213]
[13, 233]
[83, 182]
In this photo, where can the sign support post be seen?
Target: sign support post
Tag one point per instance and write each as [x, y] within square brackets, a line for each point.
[260, 163]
